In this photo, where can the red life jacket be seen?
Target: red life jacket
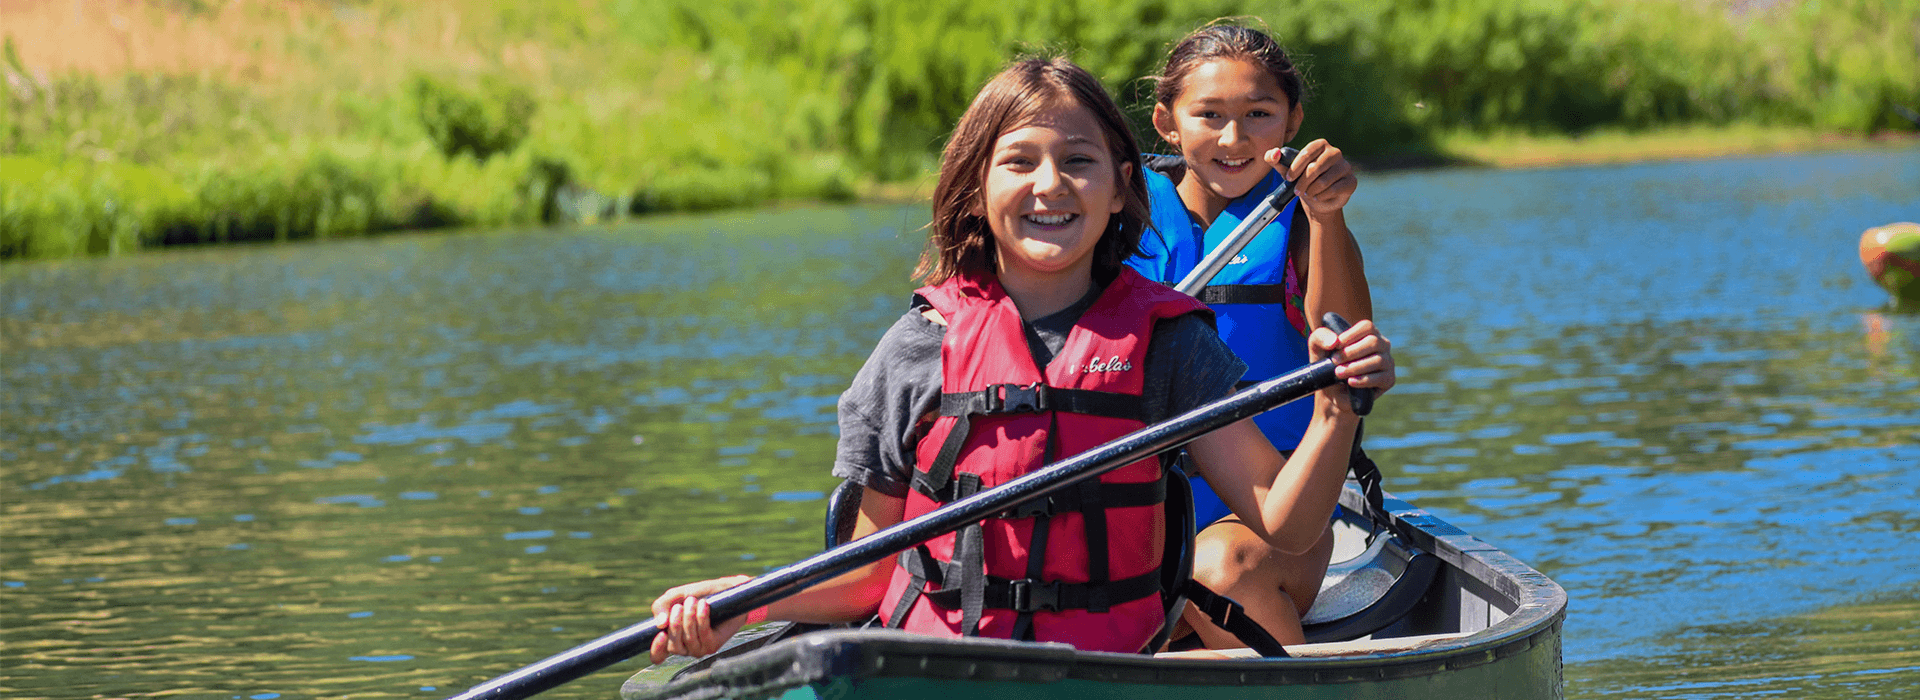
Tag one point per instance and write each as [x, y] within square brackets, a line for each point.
[1082, 567]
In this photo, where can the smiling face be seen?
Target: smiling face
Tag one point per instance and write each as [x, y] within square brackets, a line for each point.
[1051, 185]
[1228, 114]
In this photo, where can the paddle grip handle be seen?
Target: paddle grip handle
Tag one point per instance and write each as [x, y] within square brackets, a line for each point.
[1362, 399]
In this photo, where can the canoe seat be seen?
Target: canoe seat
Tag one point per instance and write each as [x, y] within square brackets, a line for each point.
[1368, 592]
[843, 510]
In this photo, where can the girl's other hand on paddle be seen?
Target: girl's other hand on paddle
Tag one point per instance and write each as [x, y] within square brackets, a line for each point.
[1364, 357]
[686, 620]
[1322, 178]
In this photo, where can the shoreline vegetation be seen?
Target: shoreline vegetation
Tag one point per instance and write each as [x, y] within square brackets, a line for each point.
[133, 125]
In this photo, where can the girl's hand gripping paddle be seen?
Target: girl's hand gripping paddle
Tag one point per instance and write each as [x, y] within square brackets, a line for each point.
[1362, 398]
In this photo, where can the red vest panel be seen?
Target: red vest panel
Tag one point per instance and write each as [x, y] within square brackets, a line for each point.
[1101, 366]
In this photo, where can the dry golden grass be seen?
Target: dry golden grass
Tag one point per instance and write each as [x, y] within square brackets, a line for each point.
[290, 44]
[1671, 143]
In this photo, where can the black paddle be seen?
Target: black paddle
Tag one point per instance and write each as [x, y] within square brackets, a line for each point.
[1153, 439]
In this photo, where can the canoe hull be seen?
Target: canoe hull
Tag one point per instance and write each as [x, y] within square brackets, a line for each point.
[849, 665]
[1487, 626]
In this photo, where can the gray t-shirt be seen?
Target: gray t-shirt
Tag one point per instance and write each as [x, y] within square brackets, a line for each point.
[895, 396]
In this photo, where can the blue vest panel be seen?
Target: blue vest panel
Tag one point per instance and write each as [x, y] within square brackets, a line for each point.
[1259, 333]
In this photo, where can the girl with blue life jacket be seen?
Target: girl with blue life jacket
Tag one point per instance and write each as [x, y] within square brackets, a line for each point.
[1032, 342]
[1227, 100]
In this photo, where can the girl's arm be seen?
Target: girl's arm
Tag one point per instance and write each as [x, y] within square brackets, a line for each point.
[1335, 275]
[687, 626]
[1289, 501]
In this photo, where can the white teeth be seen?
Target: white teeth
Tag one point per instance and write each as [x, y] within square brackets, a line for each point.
[1236, 163]
[1049, 219]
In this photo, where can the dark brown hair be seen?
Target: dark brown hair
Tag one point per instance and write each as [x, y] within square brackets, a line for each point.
[959, 240]
[1227, 41]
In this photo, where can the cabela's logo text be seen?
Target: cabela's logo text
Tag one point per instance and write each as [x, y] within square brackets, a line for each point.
[1111, 364]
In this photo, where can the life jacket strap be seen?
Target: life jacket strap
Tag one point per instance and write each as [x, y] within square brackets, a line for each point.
[1028, 595]
[916, 583]
[1243, 294]
[1230, 616]
[1367, 475]
[1000, 399]
[970, 554]
[1036, 568]
[1106, 495]
[1094, 520]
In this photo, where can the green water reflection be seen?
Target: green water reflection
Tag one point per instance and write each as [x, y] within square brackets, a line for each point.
[1870, 650]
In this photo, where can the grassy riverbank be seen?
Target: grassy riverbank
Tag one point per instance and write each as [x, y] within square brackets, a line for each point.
[1673, 143]
[130, 125]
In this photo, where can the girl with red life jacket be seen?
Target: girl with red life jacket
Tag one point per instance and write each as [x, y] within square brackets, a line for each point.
[1227, 99]
[1033, 342]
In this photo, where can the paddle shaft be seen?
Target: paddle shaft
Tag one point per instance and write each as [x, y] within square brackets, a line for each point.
[1127, 449]
[1256, 221]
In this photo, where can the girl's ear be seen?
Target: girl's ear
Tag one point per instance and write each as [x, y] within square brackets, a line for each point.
[1126, 183]
[1163, 123]
[1294, 117]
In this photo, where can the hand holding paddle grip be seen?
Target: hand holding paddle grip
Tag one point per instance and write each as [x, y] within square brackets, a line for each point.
[1362, 398]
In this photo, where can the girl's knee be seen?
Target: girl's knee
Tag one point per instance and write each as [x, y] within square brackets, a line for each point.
[1227, 554]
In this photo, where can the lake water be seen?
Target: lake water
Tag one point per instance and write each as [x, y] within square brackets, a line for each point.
[398, 467]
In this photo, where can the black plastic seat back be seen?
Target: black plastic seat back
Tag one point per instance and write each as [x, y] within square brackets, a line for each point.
[843, 511]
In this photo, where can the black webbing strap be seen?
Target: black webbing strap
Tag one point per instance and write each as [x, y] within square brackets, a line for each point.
[1231, 617]
[1095, 521]
[1040, 398]
[1042, 530]
[1367, 475]
[934, 481]
[1033, 595]
[1074, 500]
[1036, 568]
[1002, 399]
[1243, 294]
[920, 564]
[970, 555]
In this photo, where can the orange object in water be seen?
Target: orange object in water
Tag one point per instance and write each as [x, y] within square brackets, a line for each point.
[1891, 254]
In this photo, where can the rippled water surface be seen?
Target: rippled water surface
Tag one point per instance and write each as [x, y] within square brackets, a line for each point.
[395, 468]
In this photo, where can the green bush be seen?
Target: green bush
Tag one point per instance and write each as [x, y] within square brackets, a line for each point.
[492, 120]
[57, 209]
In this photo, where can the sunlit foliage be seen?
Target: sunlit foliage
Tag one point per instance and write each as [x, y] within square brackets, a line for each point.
[130, 124]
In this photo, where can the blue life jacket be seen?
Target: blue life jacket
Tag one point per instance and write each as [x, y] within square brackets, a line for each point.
[1247, 297]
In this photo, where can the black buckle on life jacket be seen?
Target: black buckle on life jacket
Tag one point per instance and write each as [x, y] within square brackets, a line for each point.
[1030, 595]
[1035, 508]
[1014, 398]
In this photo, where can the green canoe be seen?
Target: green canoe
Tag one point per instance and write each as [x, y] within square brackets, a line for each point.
[1424, 610]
